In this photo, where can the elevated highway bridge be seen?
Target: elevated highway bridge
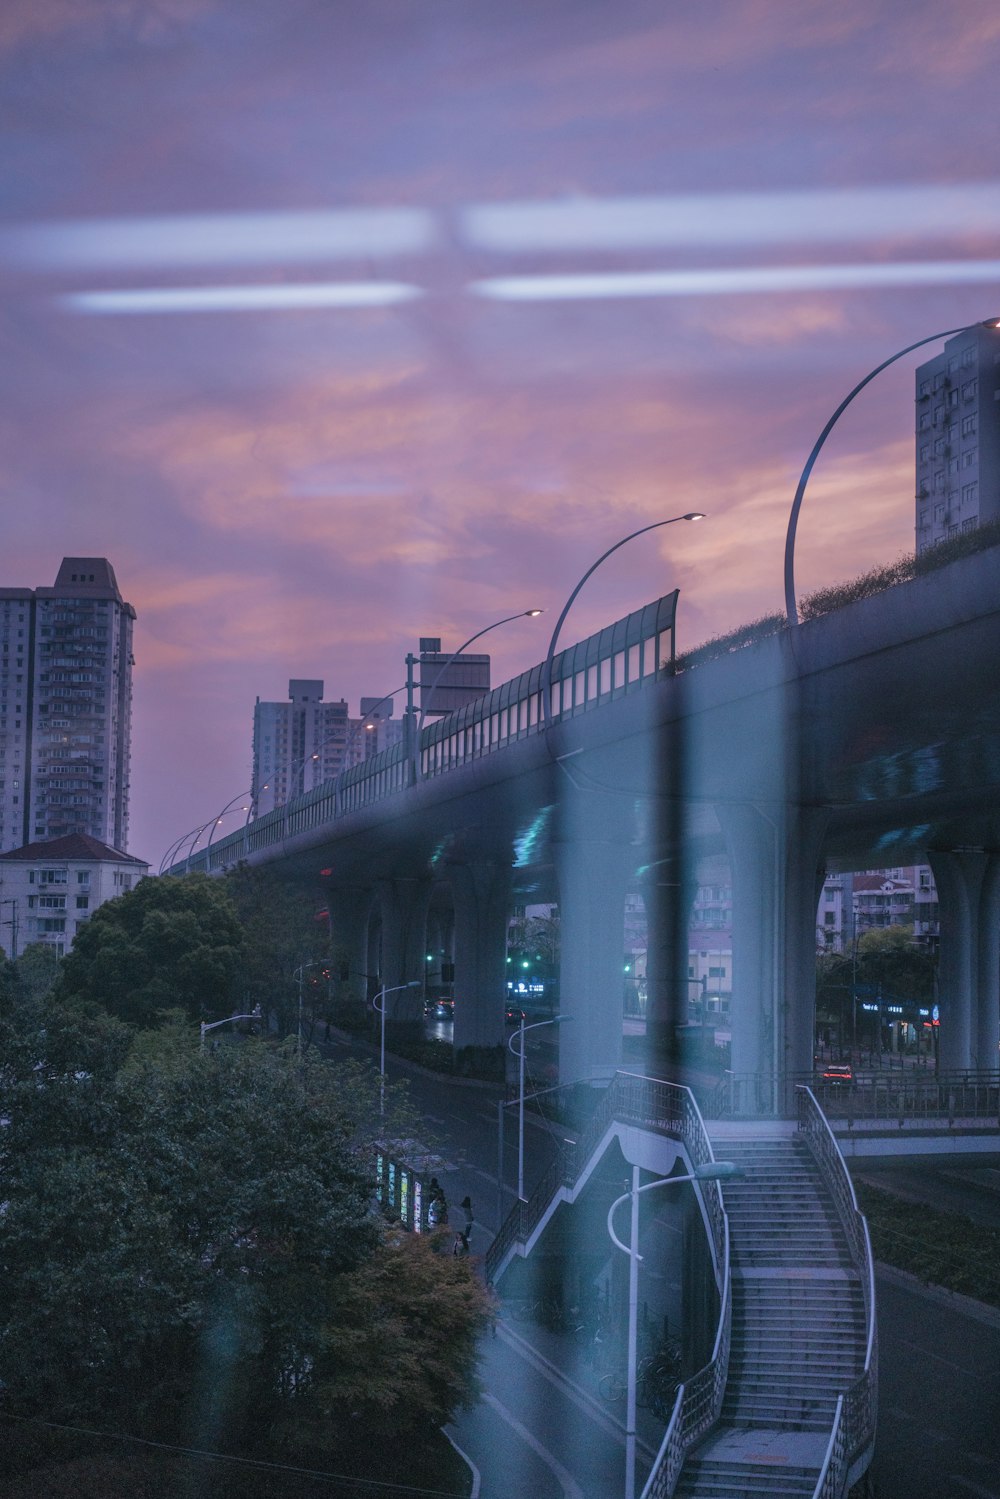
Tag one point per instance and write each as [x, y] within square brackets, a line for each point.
[869, 737]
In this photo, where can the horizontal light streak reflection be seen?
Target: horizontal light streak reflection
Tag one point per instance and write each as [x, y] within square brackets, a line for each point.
[219, 239]
[845, 215]
[621, 284]
[286, 298]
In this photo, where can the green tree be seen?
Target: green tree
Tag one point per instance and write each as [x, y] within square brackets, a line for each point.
[398, 1350]
[282, 934]
[889, 958]
[188, 1249]
[168, 944]
[37, 968]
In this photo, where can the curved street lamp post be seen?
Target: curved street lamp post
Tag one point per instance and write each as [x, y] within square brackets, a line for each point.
[546, 684]
[521, 614]
[710, 1171]
[519, 1036]
[413, 984]
[206, 1026]
[790, 605]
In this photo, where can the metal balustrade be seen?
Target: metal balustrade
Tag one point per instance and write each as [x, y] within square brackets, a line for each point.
[661, 1107]
[852, 1440]
[621, 659]
[668, 1108]
[909, 1096]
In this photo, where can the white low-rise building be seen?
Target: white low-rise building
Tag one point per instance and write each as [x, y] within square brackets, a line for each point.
[48, 890]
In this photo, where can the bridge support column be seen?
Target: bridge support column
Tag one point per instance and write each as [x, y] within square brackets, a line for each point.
[404, 904]
[593, 877]
[777, 880]
[481, 893]
[969, 966]
[668, 899]
[349, 911]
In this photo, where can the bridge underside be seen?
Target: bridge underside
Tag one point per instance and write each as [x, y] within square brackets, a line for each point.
[868, 738]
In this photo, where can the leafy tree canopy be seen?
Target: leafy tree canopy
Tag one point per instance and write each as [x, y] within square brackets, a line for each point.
[285, 928]
[168, 944]
[187, 1247]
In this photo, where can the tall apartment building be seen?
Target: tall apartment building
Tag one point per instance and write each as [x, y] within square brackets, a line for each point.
[302, 743]
[375, 730]
[296, 745]
[958, 437]
[66, 708]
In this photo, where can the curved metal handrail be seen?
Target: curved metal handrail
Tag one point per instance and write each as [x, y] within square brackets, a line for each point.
[853, 1432]
[671, 1108]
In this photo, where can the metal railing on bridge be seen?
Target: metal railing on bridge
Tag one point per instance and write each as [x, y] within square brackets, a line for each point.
[911, 1097]
[623, 658]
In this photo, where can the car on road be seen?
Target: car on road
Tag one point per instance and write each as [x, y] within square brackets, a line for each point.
[836, 1074]
[444, 1009]
[513, 1016]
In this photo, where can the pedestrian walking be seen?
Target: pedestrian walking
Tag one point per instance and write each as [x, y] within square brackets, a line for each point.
[466, 1206]
[461, 1246]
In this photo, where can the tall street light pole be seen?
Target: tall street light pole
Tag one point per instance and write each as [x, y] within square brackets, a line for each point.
[426, 697]
[790, 605]
[546, 693]
[413, 984]
[207, 1026]
[521, 1031]
[298, 973]
[710, 1171]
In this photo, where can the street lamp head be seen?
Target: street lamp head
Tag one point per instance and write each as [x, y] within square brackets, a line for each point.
[718, 1171]
[533, 613]
[991, 322]
[694, 515]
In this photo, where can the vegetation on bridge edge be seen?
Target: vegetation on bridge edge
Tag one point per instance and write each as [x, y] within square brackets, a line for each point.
[825, 600]
[941, 1248]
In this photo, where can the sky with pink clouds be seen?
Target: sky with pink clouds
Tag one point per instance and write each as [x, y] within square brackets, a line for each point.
[334, 323]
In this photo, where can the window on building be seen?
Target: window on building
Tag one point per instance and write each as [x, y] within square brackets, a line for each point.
[969, 424]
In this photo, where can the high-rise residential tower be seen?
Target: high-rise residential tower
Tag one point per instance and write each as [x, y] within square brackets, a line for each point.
[296, 745]
[958, 437]
[66, 708]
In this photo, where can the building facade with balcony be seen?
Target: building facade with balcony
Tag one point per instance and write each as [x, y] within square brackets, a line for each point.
[48, 890]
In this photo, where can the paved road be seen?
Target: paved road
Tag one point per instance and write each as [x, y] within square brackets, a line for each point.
[939, 1395]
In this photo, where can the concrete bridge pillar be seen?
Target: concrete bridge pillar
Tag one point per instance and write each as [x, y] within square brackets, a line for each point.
[593, 876]
[777, 879]
[481, 892]
[968, 886]
[349, 911]
[403, 904]
[668, 898]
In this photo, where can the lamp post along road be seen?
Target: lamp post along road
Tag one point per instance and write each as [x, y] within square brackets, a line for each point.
[206, 1026]
[791, 608]
[413, 984]
[521, 1030]
[546, 693]
[299, 972]
[430, 691]
[710, 1171]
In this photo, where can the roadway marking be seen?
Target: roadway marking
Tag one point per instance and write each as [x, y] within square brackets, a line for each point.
[477, 1478]
[950, 1363]
[569, 1486]
[583, 1401]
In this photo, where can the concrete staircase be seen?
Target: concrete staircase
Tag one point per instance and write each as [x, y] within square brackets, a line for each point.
[798, 1330]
